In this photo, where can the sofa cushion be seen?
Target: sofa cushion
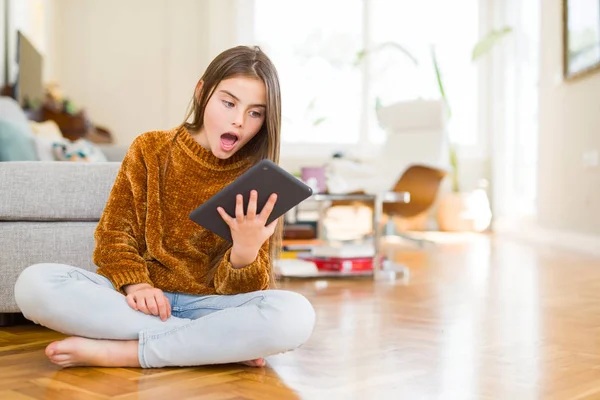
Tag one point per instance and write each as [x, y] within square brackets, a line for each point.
[47, 129]
[28, 243]
[55, 191]
[10, 110]
[16, 136]
[17, 142]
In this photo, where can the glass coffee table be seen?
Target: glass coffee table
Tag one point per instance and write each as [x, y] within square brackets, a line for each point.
[382, 269]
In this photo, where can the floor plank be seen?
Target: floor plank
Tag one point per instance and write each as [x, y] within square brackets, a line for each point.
[480, 318]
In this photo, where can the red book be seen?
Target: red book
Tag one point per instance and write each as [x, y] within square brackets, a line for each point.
[342, 264]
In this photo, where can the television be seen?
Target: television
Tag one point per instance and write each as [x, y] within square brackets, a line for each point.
[29, 88]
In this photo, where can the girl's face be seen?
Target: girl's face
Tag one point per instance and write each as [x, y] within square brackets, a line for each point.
[233, 116]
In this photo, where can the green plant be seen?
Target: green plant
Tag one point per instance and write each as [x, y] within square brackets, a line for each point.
[481, 48]
[488, 42]
[310, 109]
[309, 115]
[453, 154]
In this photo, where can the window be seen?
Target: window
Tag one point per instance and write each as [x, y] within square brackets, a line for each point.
[313, 44]
[328, 98]
[452, 30]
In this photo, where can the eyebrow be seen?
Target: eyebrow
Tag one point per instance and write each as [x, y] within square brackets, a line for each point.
[235, 97]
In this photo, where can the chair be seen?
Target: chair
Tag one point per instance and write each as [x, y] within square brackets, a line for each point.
[416, 134]
[423, 183]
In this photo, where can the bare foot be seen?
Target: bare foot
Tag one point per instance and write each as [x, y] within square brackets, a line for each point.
[258, 363]
[77, 351]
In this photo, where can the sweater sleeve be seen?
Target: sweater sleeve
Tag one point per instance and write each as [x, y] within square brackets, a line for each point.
[120, 231]
[253, 277]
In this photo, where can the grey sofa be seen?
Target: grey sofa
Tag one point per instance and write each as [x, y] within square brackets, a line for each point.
[48, 209]
[48, 213]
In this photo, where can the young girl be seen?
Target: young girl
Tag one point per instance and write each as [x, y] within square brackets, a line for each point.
[168, 292]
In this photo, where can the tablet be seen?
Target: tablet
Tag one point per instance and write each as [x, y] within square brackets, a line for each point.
[266, 178]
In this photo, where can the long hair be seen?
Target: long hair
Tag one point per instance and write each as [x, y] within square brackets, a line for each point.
[249, 62]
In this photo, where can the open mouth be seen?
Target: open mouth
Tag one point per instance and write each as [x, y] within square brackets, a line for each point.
[228, 141]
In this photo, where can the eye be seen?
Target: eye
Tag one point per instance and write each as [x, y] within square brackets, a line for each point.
[255, 114]
[228, 104]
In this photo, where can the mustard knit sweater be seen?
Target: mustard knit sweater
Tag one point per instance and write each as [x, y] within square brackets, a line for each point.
[145, 234]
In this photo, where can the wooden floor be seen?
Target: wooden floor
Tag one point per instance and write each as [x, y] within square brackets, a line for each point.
[479, 319]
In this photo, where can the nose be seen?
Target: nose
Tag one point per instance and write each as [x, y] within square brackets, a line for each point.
[238, 119]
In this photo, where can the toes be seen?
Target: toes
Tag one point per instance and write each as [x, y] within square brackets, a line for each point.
[60, 358]
[65, 364]
[51, 349]
[259, 362]
[59, 361]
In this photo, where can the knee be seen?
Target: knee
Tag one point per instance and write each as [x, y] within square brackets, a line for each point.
[292, 319]
[33, 288]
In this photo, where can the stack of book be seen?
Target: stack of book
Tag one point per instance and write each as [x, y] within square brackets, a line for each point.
[314, 258]
[295, 267]
[342, 258]
[293, 249]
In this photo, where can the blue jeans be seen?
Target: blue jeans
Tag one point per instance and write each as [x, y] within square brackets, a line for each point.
[202, 330]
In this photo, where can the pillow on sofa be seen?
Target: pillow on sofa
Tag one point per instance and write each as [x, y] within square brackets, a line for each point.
[47, 129]
[17, 142]
[46, 134]
[11, 111]
[44, 148]
[79, 150]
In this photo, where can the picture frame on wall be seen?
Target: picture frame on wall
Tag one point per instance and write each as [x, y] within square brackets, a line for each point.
[581, 37]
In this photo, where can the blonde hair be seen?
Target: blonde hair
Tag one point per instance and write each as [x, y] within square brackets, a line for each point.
[249, 62]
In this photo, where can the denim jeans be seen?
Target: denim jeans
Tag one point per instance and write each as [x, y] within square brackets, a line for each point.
[202, 330]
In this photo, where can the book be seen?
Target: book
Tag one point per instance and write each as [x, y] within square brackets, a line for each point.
[344, 251]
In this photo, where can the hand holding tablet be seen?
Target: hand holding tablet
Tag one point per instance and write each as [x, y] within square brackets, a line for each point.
[251, 228]
[252, 192]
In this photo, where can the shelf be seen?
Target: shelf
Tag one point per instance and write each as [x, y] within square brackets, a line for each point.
[329, 274]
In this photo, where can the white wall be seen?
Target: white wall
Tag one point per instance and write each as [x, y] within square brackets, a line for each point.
[569, 192]
[2, 41]
[132, 65]
[32, 17]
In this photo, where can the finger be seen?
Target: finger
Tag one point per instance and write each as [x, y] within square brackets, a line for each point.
[268, 208]
[251, 214]
[162, 307]
[239, 208]
[131, 302]
[226, 217]
[141, 305]
[152, 306]
[168, 303]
